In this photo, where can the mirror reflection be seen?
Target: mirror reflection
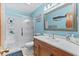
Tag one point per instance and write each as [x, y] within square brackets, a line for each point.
[62, 18]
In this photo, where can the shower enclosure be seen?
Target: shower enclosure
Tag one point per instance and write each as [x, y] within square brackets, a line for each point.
[19, 30]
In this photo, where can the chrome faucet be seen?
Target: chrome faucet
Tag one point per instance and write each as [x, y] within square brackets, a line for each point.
[68, 36]
[50, 35]
[53, 36]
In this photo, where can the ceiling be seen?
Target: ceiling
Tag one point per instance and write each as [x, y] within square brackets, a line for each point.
[24, 8]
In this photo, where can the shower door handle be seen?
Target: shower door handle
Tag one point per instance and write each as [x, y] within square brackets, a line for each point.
[21, 31]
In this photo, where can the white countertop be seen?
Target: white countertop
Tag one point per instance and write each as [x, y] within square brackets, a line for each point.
[61, 44]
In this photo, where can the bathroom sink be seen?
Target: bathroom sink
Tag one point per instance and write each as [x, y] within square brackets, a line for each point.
[56, 41]
[50, 39]
[53, 39]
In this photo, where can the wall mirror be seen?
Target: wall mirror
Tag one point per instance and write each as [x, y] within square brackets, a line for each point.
[62, 18]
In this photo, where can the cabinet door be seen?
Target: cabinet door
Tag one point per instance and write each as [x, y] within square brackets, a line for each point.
[36, 47]
[36, 50]
[44, 51]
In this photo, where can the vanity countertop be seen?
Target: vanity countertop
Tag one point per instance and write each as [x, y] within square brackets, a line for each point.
[61, 44]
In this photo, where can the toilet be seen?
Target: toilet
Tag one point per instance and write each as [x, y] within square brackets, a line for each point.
[29, 44]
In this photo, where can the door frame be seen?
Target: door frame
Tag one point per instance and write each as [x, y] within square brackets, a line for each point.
[1, 26]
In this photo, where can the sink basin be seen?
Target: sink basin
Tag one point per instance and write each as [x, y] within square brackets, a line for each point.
[50, 39]
[55, 40]
[45, 37]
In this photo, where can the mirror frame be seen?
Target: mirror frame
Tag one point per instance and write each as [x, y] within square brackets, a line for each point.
[74, 9]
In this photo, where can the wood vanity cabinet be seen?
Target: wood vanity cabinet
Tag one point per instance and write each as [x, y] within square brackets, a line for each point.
[44, 49]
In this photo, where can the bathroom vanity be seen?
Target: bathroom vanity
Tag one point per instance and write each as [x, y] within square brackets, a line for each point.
[45, 49]
[52, 47]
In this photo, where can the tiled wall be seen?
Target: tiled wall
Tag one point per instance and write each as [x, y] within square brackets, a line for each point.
[40, 25]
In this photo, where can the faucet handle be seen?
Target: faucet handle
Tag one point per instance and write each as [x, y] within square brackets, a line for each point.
[68, 35]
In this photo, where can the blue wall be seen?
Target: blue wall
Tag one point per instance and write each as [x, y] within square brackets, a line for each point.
[40, 25]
